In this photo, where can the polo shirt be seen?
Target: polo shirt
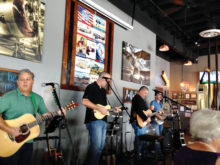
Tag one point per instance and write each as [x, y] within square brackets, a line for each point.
[14, 104]
[96, 95]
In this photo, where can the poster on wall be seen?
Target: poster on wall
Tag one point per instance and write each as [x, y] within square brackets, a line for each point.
[91, 50]
[90, 47]
[81, 45]
[21, 29]
[135, 64]
[87, 48]
[81, 79]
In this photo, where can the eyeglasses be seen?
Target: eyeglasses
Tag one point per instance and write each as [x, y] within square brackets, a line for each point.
[106, 78]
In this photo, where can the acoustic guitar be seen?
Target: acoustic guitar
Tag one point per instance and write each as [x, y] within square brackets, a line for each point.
[29, 127]
[149, 114]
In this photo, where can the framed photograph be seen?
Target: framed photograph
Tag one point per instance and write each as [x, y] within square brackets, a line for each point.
[135, 64]
[22, 29]
[174, 95]
[187, 95]
[128, 94]
[193, 96]
[8, 80]
[88, 46]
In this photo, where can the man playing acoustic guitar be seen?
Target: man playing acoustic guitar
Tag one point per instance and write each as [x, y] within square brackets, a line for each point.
[13, 105]
[138, 106]
[93, 98]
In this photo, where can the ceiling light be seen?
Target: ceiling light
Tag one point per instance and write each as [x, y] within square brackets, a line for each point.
[210, 33]
[164, 48]
[188, 63]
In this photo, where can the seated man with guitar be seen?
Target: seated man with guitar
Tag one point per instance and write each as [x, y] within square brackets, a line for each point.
[97, 110]
[17, 107]
[137, 111]
[157, 106]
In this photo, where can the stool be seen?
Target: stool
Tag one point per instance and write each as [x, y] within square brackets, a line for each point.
[152, 138]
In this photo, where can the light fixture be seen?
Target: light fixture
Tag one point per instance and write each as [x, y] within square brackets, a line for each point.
[188, 63]
[164, 48]
[107, 14]
[210, 33]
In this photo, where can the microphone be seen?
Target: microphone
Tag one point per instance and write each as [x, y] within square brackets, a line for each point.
[46, 84]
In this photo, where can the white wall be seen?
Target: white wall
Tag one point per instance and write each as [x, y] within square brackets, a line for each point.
[49, 70]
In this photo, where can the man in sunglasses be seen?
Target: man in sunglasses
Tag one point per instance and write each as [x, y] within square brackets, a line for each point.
[95, 93]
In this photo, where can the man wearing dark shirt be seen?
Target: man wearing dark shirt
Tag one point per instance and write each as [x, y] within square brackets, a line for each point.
[95, 93]
[138, 105]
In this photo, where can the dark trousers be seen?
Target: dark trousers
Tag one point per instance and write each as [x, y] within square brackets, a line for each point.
[22, 157]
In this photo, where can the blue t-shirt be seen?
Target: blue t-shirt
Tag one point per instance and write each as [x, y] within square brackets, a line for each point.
[157, 106]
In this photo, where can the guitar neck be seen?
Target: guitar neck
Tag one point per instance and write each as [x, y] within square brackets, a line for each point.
[42, 118]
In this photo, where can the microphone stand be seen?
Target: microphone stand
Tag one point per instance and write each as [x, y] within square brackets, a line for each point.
[166, 97]
[63, 124]
[122, 104]
[122, 108]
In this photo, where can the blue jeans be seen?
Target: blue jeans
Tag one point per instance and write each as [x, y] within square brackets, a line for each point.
[159, 129]
[22, 157]
[97, 133]
[138, 144]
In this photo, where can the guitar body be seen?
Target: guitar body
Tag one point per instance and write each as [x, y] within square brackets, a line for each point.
[141, 122]
[29, 128]
[10, 145]
[98, 114]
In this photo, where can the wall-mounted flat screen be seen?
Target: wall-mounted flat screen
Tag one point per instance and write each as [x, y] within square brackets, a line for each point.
[203, 76]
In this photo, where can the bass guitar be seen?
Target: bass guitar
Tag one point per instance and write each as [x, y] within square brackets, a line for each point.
[29, 127]
[149, 114]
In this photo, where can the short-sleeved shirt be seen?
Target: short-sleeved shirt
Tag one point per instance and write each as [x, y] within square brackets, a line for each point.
[157, 106]
[14, 104]
[138, 105]
[96, 95]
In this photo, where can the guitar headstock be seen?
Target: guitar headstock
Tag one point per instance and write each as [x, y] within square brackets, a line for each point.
[71, 105]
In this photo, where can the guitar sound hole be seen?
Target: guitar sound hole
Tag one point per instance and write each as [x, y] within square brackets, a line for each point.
[24, 128]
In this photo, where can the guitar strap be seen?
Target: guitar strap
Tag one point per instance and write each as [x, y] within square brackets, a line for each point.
[34, 102]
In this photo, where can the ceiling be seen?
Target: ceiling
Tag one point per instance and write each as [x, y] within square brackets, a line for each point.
[177, 23]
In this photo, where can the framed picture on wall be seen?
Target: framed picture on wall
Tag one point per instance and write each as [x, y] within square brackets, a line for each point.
[88, 43]
[135, 64]
[22, 29]
[174, 95]
[128, 94]
[8, 80]
[187, 95]
[193, 95]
